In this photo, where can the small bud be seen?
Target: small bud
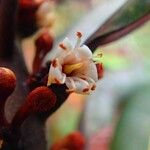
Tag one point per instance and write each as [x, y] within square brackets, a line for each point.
[7, 82]
[43, 44]
[74, 141]
[7, 86]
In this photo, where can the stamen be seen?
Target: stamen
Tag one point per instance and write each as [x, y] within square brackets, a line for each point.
[99, 55]
[79, 34]
[93, 87]
[69, 68]
[61, 45]
[54, 63]
[57, 81]
[85, 90]
[70, 90]
[84, 78]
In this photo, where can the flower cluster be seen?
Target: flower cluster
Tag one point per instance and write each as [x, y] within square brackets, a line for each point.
[74, 67]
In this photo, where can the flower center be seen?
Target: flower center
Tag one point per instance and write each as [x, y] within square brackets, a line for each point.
[67, 69]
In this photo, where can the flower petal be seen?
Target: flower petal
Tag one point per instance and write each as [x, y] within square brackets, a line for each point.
[87, 78]
[84, 52]
[66, 44]
[92, 71]
[65, 51]
[56, 75]
[81, 86]
[91, 82]
[70, 84]
[88, 69]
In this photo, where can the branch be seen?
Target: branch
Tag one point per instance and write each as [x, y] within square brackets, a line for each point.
[7, 26]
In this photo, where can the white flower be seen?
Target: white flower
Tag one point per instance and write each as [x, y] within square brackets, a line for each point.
[74, 67]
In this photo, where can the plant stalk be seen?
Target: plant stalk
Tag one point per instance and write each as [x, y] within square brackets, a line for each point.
[8, 9]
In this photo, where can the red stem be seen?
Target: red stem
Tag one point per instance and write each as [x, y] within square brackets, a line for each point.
[20, 116]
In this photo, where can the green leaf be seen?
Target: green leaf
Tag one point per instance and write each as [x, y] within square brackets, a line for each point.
[129, 17]
[133, 131]
[128, 13]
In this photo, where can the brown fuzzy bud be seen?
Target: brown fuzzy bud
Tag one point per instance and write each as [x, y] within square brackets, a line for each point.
[7, 82]
[43, 44]
[7, 86]
[41, 99]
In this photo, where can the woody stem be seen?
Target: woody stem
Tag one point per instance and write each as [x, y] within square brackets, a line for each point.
[3, 121]
[7, 27]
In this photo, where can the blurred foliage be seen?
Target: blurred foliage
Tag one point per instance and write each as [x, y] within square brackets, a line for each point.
[133, 131]
[127, 58]
[113, 61]
[134, 9]
[67, 14]
[122, 53]
[66, 119]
